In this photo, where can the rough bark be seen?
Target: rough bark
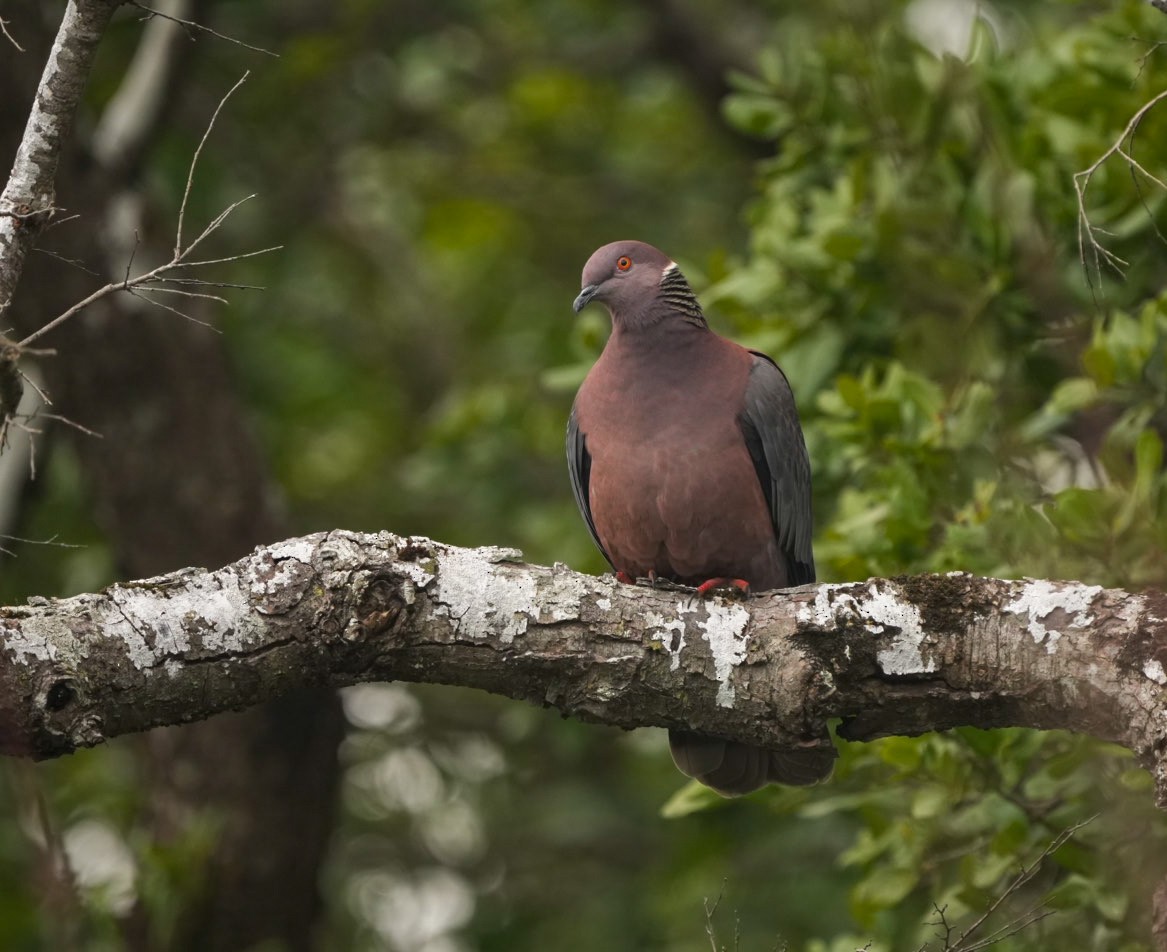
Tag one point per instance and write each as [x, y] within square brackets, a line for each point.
[887, 656]
[28, 201]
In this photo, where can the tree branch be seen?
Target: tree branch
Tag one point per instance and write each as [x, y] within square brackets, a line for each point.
[27, 202]
[191, 26]
[886, 656]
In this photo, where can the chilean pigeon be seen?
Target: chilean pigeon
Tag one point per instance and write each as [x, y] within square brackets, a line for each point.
[688, 465]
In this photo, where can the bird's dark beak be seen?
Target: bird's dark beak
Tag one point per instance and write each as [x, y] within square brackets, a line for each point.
[584, 297]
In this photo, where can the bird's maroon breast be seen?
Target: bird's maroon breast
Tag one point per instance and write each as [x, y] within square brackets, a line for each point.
[672, 488]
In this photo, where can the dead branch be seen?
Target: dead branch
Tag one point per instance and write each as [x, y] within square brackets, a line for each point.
[8, 36]
[155, 279]
[1092, 253]
[965, 941]
[192, 26]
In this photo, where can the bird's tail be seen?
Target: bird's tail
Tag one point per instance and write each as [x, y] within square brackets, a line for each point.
[732, 768]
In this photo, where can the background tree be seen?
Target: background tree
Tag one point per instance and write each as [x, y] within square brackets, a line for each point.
[974, 399]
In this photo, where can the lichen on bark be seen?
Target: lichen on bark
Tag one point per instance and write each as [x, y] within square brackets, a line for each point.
[885, 656]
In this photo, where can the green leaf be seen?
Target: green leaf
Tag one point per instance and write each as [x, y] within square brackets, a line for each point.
[693, 797]
[885, 889]
[1072, 395]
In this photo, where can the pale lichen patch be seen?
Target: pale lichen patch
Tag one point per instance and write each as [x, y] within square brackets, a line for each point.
[562, 597]
[417, 576]
[299, 549]
[1153, 669]
[1131, 611]
[213, 615]
[119, 626]
[884, 609]
[725, 632]
[1040, 599]
[277, 580]
[495, 553]
[877, 610]
[479, 598]
[25, 640]
[658, 628]
[832, 605]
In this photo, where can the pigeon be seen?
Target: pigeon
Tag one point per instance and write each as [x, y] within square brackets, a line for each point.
[688, 465]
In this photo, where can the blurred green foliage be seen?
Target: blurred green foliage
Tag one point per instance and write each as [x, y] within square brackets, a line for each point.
[976, 396]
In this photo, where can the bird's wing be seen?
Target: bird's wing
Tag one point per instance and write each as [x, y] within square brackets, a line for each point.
[769, 422]
[579, 466]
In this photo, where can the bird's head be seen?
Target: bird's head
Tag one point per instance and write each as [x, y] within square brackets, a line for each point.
[636, 282]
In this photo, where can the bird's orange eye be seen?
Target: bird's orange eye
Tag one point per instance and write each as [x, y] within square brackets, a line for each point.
[623, 263]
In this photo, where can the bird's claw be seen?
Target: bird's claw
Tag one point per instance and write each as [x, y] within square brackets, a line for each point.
[733, 586]
[652, 580]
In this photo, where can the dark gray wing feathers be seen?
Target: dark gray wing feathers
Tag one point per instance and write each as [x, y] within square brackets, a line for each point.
[769, 422]
[579, 466]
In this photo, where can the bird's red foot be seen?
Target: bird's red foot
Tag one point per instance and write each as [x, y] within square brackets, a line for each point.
[625, 578]
[739, 584]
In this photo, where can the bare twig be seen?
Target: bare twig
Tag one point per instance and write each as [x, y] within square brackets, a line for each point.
[238, 257]
[1022, 922]
[1090, 250]
[189, 294]
[1027, 873]
[30, 432]
[711, 932]
[51, 541]
[940, 922]
[36, 387]
[11, 39]
[155, 279]
[710, 911]
[75, 262]
[1152, 49]
[200, 282]
[23, 419]
[192, 25]
[173, 310]
[74, 424]
[215, 223]
[27, 215]
[195, 161]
